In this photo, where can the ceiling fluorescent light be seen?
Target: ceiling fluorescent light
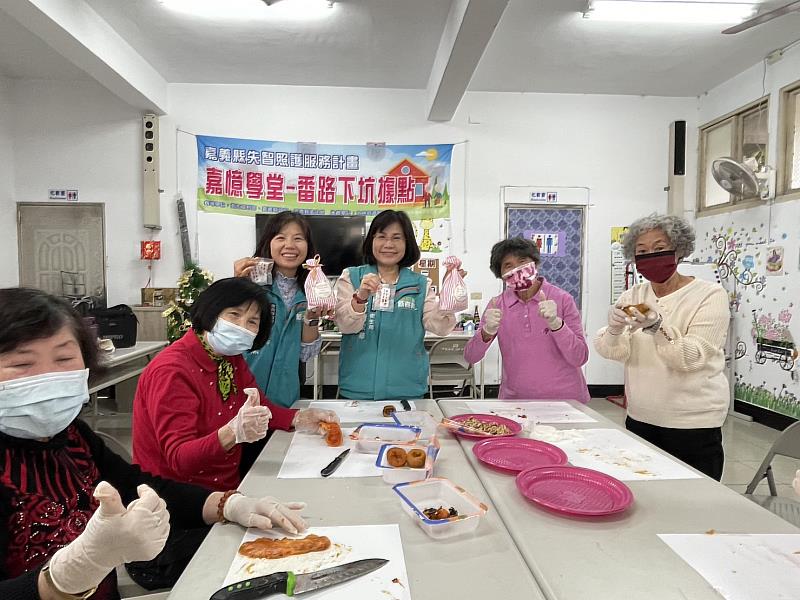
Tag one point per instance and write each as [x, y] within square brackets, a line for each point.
[668, 11]
[219, 9]
[299, 9]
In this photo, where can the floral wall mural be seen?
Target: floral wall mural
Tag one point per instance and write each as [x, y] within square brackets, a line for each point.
[757, 253]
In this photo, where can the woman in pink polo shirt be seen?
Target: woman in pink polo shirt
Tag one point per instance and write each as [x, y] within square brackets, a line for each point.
[538, 328]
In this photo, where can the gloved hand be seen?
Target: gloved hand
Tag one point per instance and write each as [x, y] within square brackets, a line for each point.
[113, 536]
[637, 320]
[251, 422]
[796, 482]
[491, 320]
[549, 312]
[265, 513]
[617, 320]
[308, 419]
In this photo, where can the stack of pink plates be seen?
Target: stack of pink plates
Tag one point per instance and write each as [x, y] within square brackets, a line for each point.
[512, 455]
[574, 490]
[513, 427]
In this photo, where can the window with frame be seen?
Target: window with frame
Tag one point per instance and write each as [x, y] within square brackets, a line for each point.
[743, 136]
[790, 129]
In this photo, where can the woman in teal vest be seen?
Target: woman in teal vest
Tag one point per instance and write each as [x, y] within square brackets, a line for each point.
[383, 309]
[295, 335]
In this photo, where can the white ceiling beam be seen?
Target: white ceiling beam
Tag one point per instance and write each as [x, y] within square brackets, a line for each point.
[466, 34]
[74, 30]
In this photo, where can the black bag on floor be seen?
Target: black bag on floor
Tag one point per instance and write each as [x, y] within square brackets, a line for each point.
[117, 324]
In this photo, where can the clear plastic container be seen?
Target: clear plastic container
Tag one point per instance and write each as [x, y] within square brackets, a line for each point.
[417, 496]
[369, 437]
[418, 418]
[405, 474]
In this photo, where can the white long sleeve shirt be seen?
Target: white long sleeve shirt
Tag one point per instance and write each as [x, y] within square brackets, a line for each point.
[679, 384]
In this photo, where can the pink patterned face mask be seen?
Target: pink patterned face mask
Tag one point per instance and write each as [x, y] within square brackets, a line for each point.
[522, 277]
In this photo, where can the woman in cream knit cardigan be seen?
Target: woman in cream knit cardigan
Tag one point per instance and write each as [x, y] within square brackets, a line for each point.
[671, 346]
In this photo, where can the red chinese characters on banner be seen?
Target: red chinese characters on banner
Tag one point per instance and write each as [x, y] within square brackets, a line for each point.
[326, 189]
[405, 190]
[255, 185]
[275, 183]
[387, 190]
[213, 181]
[366, 190]
[234, 183]
[305, 188]
[348, 194]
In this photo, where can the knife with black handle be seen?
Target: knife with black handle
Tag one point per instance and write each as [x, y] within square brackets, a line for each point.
[334, 464]
[292, 584]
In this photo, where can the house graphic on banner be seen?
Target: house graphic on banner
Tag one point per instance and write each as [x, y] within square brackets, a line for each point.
[406, 168]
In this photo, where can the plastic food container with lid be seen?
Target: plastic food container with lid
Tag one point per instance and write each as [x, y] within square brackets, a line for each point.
[418, 418]
[369, 437]
[417, 496]
[405, 474]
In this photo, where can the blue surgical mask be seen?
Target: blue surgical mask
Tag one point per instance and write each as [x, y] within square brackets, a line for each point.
[228, 339]
[42, 405]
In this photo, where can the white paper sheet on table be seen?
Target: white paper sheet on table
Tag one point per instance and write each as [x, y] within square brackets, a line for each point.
[308, 454]
[348, 544]
[361, 411]
[532, 412]
[613, 452]
[741, 566]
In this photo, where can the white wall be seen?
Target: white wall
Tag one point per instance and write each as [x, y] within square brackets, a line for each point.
[751, 232]
[9, 275]
[615, 145]
[77, 135]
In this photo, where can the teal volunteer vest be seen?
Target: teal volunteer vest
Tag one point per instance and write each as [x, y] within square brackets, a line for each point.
[275, 366]
[387, 359]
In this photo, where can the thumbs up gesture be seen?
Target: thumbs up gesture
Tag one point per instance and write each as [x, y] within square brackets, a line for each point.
[252, 421]
[115, 534]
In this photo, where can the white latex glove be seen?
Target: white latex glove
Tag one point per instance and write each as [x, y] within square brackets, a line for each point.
[113, 536]
[617, 320]
[491, 320]
[308, 420]
[639, 320]
[251, 422]
[265, 513]
[796, 482]
[549, 312]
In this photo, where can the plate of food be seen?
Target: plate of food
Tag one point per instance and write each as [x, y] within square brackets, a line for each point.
[482, 426]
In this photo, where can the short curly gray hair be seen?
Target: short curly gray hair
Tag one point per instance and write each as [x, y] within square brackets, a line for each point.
[677, 229]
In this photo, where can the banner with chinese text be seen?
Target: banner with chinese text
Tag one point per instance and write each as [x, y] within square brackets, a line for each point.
[245, 177]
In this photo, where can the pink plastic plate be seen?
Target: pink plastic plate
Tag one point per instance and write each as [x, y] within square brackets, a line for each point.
[574, 490]
[512, 425]
[512, 455]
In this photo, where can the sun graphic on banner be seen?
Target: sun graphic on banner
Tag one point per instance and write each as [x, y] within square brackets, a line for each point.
[430, 154]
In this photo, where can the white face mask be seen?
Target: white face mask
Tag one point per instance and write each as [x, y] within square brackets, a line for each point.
[228, 339]
[42, 405]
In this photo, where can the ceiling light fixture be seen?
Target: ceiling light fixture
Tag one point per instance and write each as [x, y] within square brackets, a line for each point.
[234, 10]
[299, 9]
[668, 11]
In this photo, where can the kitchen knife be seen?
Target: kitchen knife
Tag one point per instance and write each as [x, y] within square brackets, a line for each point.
[291, 584]
[334, 464]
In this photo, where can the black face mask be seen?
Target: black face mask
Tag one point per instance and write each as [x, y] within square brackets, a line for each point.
[657, 266]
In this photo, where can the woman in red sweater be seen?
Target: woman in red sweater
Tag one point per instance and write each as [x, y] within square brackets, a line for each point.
[197, 402]
[71, 510]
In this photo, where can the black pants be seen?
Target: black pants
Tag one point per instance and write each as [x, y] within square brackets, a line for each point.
[700, 448]
[163, 571]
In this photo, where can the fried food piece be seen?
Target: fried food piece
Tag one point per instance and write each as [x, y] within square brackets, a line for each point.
[642, 308]
[268, 548]
[439, 514]
[388, 410]
[396, 457]
[415, 458]
[486, 426]
[333, 433]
